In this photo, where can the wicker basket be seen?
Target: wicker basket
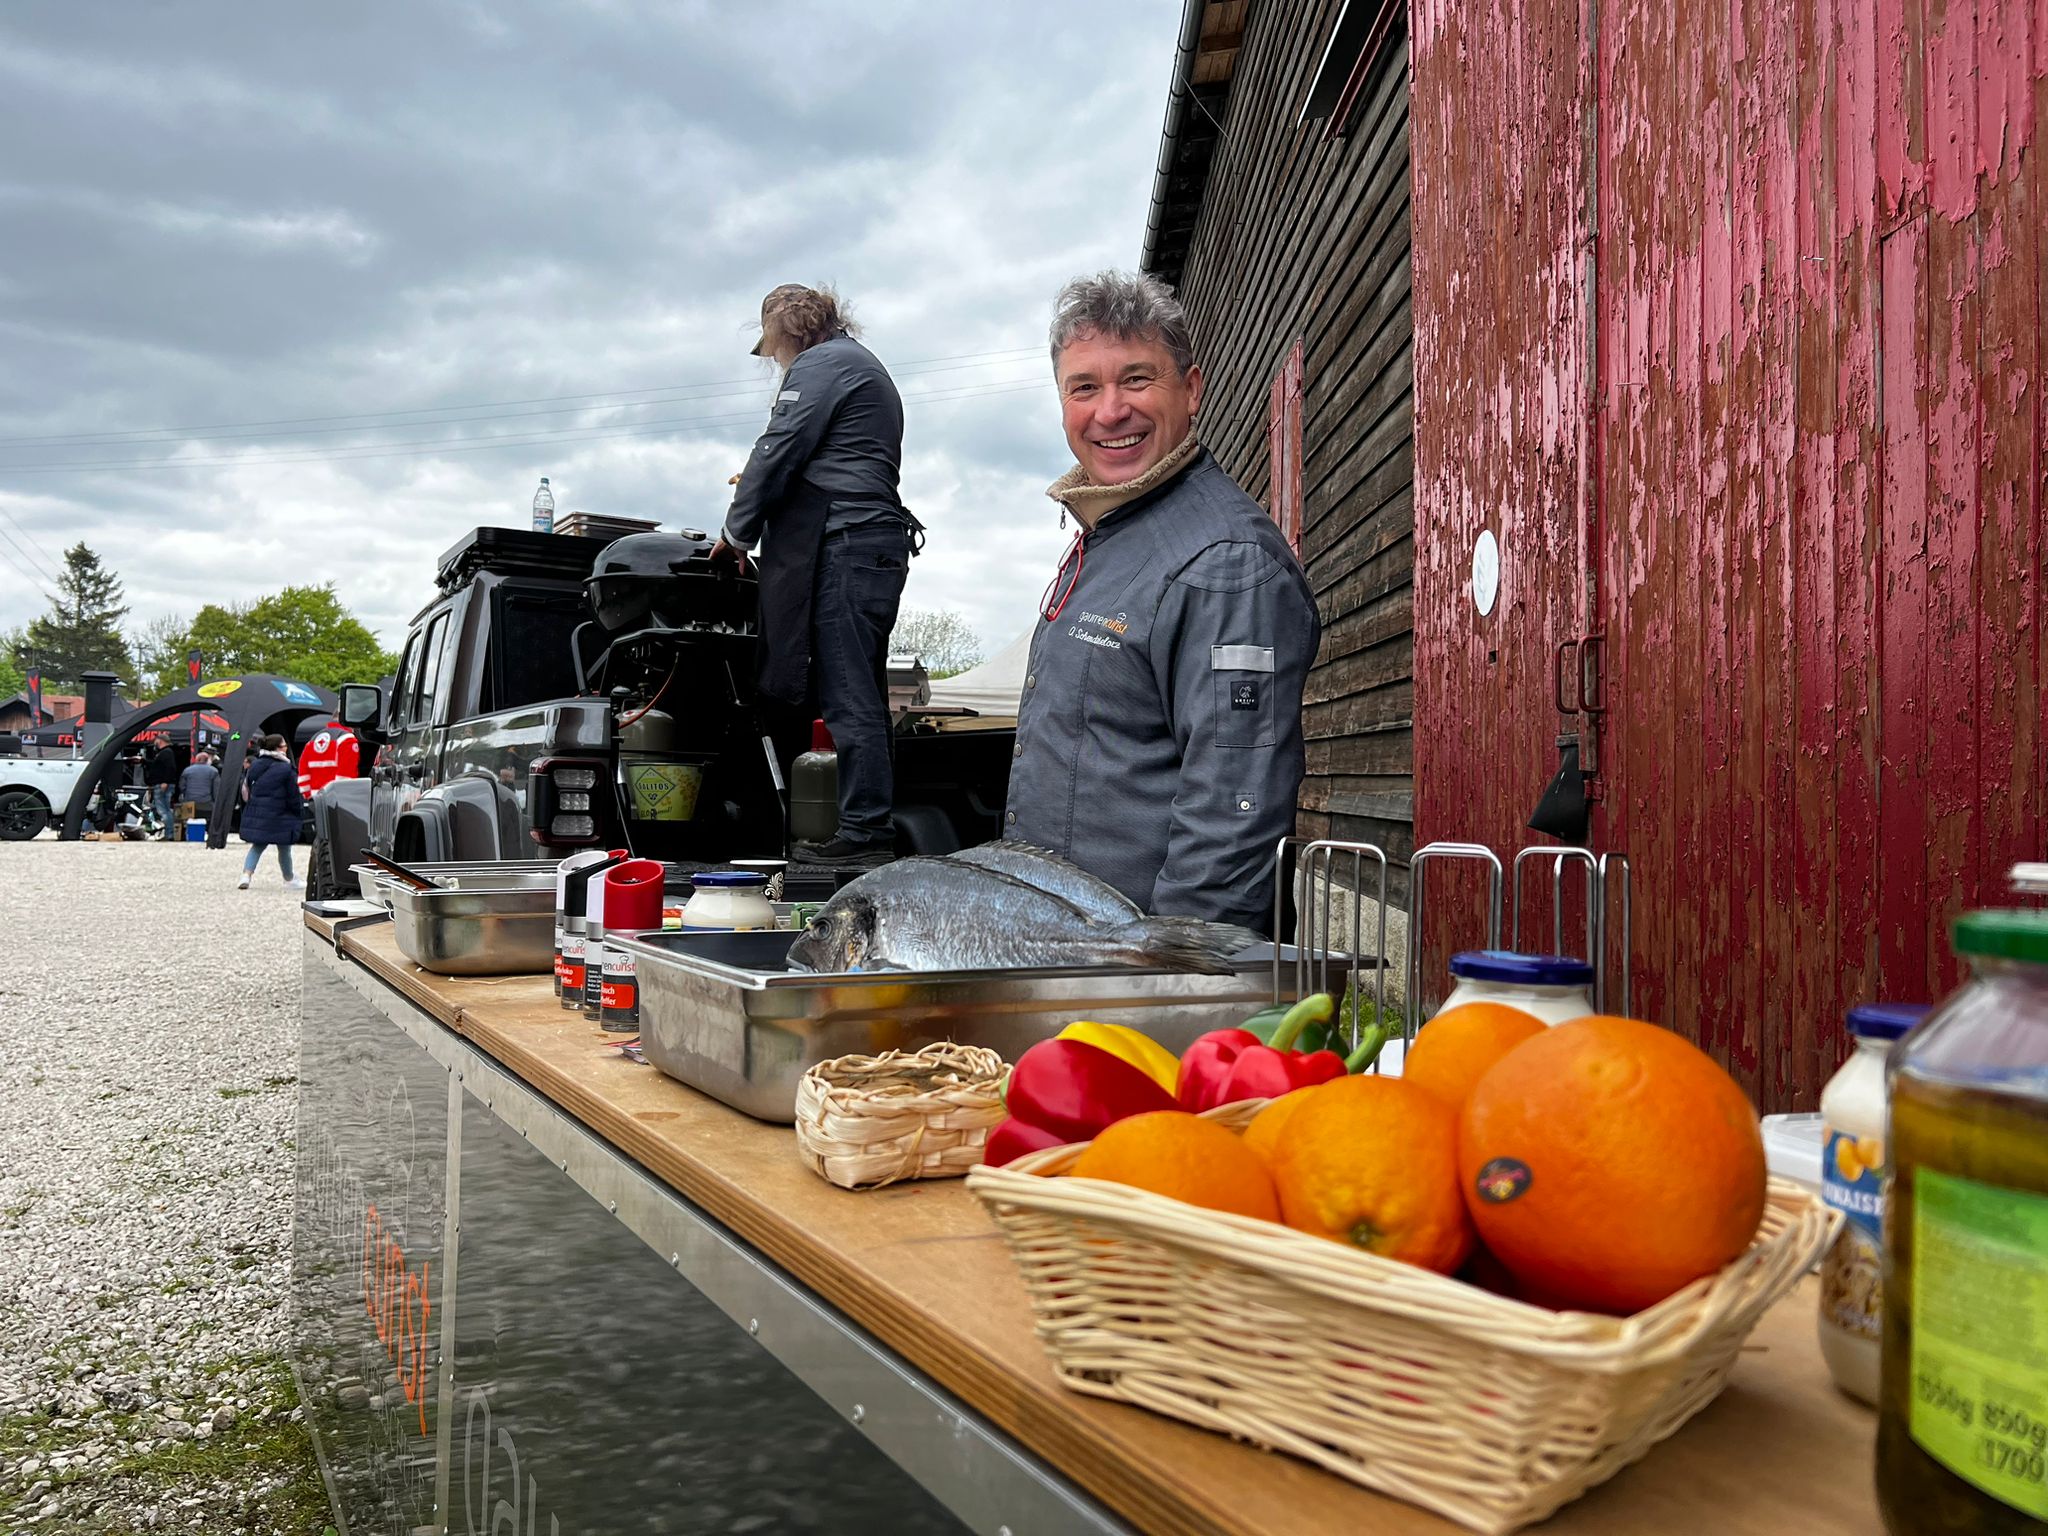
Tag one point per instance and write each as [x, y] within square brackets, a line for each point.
[1488, 1411]
[865, 1121]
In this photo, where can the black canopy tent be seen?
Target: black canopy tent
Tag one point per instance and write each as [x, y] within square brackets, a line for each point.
[252, 704]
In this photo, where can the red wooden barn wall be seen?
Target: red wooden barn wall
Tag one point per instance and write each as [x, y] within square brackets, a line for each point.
[1807, 474]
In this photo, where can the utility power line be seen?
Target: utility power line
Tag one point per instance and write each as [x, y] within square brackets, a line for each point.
[51, 559]
[451, 421]
[432, 447]
[930, 364]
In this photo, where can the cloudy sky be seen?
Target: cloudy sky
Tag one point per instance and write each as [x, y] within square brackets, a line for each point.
[295, 294]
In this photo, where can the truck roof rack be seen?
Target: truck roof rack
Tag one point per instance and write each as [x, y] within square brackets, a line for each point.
[567, 556]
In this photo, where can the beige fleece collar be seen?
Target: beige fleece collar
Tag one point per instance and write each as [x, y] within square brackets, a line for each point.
[1092, 503]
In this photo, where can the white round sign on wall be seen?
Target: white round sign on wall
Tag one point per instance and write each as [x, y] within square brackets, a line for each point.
[1485, 572]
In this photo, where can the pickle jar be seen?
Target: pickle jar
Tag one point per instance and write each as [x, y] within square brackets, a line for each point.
[1962, 1442]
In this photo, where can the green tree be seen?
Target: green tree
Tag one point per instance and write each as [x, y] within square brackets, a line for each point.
[82, 631]
[159, 651]
[13, 679]
[301, 632]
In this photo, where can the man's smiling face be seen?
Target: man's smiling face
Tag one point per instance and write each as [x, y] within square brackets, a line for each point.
[1124, 404]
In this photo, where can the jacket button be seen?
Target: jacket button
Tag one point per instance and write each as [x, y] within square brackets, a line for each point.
[1018, 750]
[1010, 817]
[1031, 681]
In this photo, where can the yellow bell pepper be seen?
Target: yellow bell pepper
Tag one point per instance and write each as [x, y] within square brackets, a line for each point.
[1128, 1045]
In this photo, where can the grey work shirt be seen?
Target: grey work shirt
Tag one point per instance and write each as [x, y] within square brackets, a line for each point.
[1159, 741]
[196, 782]
[837, 423]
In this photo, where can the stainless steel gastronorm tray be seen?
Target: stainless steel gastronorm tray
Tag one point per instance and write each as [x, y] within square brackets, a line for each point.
[497, 875]
[723, 1013]
[475, 931]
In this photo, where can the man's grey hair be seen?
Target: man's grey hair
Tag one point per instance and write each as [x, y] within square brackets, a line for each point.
[1131, 306]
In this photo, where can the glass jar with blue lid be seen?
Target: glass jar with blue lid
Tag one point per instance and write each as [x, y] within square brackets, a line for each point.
[1552, 987]
[1853, 1131]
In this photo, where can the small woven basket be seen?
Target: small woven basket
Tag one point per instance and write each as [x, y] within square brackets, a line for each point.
[1488, 1411]
[865, 1121]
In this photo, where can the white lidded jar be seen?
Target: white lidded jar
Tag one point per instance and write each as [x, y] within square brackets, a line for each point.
[728, 901]
[1552, 987]
[1852, 1167]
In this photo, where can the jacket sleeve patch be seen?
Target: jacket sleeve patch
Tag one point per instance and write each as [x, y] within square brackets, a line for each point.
[1240, 658]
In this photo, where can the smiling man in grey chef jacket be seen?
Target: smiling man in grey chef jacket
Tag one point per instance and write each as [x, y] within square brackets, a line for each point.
[1159, 737]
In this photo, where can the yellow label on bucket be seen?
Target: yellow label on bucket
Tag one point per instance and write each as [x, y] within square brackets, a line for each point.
[664, 791]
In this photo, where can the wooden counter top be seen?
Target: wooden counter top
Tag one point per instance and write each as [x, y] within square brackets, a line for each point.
[922, 1268]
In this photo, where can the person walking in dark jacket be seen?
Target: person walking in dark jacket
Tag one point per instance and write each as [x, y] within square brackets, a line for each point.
[821, 485]
[162, 778]
[272, 809]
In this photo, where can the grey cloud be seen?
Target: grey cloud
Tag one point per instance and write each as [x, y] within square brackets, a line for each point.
[217, 215]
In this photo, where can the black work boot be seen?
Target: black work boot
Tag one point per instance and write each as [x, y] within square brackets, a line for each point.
[839, 853]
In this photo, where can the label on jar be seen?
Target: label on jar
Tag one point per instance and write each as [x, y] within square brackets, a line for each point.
[1852, 1180]
[1980, 1335]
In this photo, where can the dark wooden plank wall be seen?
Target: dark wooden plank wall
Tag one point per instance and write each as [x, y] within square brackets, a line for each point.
[1300, 238]
[1817, 470]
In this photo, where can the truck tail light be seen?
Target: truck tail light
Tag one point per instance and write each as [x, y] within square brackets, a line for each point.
[562, 800]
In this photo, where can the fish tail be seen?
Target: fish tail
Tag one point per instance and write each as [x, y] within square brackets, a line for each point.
[1188, 943]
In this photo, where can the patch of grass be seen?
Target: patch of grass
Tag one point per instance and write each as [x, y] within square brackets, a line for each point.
[280, 1082]
[243, 1454]
[238, 1093]
[244, 1261]
[14, 1211]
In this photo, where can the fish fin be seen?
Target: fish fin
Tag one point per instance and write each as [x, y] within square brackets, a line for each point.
[1189, 943]
[882, 963]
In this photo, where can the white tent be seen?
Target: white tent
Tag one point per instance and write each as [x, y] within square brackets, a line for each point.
[994, 687]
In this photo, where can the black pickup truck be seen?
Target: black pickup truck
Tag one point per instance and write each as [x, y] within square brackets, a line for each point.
[562, 692]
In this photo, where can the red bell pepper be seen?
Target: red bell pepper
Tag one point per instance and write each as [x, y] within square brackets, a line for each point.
[1227, 1065]
[1064, 1091]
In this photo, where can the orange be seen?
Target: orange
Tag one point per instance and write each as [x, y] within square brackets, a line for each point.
[1608, 1163]
[1454, 1049]
[1182, 1157]
[1372, 1161]
[1264, 1133]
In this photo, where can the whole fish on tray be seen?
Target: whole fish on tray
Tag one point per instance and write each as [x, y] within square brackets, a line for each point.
[1092, 898]
[958, 914]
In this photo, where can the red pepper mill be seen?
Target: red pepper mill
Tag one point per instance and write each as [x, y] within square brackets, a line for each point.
[632, 900]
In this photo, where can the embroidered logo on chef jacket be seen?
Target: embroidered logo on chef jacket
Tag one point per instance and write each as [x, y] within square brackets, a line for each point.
[1088, 629]
[1244, 695]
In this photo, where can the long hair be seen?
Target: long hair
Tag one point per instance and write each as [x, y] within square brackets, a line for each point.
[808, 316]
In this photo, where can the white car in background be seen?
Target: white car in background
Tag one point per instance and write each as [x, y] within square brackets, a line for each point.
[34, 792]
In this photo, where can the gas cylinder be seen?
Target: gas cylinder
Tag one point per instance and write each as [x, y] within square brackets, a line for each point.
[661, 781]
[814, 790]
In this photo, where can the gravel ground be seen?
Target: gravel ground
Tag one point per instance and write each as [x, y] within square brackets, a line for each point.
[148, 1045]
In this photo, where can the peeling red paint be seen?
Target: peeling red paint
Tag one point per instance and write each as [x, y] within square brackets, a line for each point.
[1804, 477]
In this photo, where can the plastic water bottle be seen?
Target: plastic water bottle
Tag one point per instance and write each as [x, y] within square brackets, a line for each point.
[543, 508]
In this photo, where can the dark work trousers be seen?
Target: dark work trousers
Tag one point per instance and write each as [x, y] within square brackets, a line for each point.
[861, 571]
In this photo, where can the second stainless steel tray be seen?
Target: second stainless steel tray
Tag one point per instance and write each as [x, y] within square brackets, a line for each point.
[507, 932]
[497, 874]
[723, 1013]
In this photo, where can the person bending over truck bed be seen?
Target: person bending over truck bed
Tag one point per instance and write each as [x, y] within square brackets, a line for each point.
[1159, 741]
[821, 486]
